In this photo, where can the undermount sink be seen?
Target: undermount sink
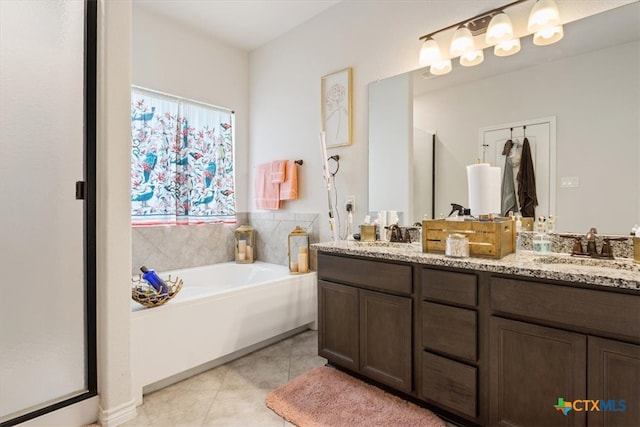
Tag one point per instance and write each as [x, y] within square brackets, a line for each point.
[617, 264]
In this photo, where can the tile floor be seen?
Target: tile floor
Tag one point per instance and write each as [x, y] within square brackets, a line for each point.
[233, 394]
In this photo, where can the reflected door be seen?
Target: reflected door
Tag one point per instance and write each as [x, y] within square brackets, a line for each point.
[541, 136]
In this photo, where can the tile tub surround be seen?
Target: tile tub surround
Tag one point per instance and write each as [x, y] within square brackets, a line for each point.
[272, 233]
[173, 247]
[165, 248]
[620, 273]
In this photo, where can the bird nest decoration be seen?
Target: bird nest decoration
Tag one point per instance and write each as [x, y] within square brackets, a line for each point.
[145, 294]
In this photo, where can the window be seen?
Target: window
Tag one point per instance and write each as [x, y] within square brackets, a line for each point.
[181, 161]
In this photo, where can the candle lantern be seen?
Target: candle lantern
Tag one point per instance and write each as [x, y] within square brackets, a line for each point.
[244, 244]
[298, 251]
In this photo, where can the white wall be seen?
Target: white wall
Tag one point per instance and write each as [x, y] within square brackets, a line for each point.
[170, 57]
[378, 39]
[597, 139]
[114, 213]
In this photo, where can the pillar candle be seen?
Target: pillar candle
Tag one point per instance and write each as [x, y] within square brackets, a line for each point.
[303, 262]
[241, 256]
[249, 251]
[293, 267]
[242, 246]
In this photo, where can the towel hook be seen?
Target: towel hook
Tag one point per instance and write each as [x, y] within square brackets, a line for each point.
[511, 136]
[524, 131]
[299, 162]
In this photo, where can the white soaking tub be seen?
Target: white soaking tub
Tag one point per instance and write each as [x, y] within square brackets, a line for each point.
[223, 311]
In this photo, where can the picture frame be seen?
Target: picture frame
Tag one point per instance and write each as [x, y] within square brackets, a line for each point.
[336, 110]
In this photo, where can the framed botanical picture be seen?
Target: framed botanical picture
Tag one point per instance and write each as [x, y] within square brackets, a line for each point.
[336, 108]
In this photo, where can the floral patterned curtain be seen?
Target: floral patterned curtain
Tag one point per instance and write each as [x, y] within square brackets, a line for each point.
[181, 161]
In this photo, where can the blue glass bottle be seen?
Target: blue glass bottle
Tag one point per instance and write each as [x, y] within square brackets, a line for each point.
[154, 280]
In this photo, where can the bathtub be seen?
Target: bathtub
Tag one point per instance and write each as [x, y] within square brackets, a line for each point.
[222, 312]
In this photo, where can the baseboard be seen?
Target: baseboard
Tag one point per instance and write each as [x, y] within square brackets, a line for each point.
[78, 414]
[118, 415]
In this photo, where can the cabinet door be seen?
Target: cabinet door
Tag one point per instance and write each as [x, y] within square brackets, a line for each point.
[531, 368]
[614, 375]
[338, 324]
[385, 339]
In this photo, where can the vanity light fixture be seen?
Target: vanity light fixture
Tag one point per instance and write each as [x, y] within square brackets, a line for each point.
[544, 23]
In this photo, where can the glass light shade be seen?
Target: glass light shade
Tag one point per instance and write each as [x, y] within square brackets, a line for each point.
[472, 58]
[441, 67]
[548, 36]
[507, 48]
[429, 52]
[500, 29]
[462, 42]
[544, 14]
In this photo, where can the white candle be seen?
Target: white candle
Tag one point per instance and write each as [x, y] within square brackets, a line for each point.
[249, 252]
[293, 267]
[303, 262]
[242, 246]
[241, 256]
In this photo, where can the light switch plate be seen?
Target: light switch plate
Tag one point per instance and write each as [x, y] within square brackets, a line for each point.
[569, 182]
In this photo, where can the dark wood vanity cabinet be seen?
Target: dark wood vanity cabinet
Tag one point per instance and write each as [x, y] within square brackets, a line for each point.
[338, 318]
[531, 367]
[549, 341]
[483, 348]
[365, 318]
[449, 341]
[614, 373]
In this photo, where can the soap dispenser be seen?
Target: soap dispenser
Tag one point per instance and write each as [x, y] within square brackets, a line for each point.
[518, 234]
[541, 240]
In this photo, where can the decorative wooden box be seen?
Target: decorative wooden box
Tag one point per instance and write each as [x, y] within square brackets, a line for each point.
[487, 239]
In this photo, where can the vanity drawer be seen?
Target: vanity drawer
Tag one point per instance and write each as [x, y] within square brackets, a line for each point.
[450, 330]
[384, 276]
[448, 286]
[574, 308]
[450, 384]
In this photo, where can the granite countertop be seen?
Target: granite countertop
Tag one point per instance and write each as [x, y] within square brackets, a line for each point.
[618, 273]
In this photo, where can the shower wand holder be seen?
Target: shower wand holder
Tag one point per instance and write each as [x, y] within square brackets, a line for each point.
[144, 294]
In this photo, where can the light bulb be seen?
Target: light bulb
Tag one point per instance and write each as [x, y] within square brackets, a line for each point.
[507, 48]
[500, 29]
[472, 58]
[544, 14]
[548, 36]
[441, 67]
[429, 52]
[462, 42]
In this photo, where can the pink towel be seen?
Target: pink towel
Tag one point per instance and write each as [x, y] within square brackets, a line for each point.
[278, 171]
[289, 188]
[266, 192]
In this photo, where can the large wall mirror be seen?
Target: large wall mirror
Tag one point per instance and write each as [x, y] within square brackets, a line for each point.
[587, 85]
